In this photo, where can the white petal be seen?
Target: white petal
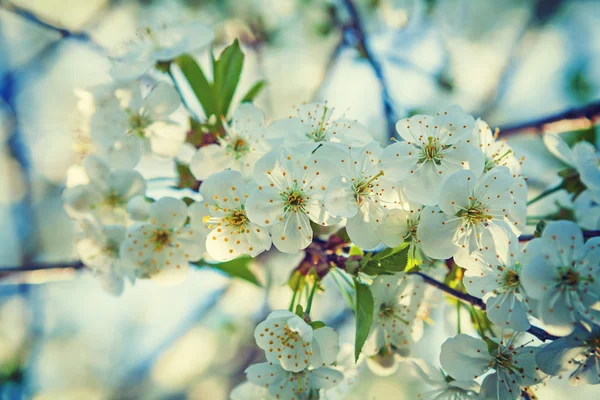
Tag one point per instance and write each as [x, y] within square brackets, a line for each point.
[506, 311]
[363, 226]
[438, 234]
[414, 129]
[457, 192]
[293, 233]
[394, 229]
[162, 101]
[138, 208]
[465, 357]
[559, 148]
[340, 199]
[168, 213]
[264, 207]
[209, 160]
[248, 118]
[96, 169]
[398, 159]
[326, 346]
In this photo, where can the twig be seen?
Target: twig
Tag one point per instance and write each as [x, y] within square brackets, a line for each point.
[464, 297]
[42, 267]
[64, 33]
[586, 234]
[590, 111]
[477, 302]
[355, 28]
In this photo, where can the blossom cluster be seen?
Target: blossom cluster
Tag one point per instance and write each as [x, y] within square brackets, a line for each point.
[446, 189]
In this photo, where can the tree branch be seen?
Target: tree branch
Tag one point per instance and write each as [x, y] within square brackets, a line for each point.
[356, 31]
[586, 234]
[590, 112]
[477, 302]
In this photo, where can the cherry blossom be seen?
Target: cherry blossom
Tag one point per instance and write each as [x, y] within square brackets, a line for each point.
[496, 277]
[165, 242]
[224, 213]
[154, 44]
[315, 125]
[107, 193]
[125, 128]
[433, 149]
[583, 157]
[243, 144]
[291, 191]
[513, 367]
[360, 192]
[288, 385]
[473, 215]
[577, 353]
[562, 273]
[400, 225]
[497, 152]
[288, 340]
[396, 300]
[444, 388]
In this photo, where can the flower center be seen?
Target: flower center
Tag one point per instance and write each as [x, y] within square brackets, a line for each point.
[475, 214]
[295, 200]
[113, 200]
[290, 337]
[432, 151]
[161, 238]
[320, 128]
[238, 146]
[138, 124]
[363, 188]
[511, 278]
[237, 218]
[568, 277]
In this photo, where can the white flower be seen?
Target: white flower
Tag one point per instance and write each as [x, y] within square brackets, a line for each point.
[578, 353]
[497, 152]
[582, 157]
[243, 144]
[164, 243]
[288, 385]
[249, 391]
[360, 193]
[587, 209]
[400, 225]
[433, 149]
[563, 272]
[315, 125]
[288, 340]
[473, 215]
[396, 300]
[291, 192]
[496, 278]
[154, 44]
[224, 213]
[123, 128]
[106, 195]
[98, 249]
[444, 388]
[465, 358]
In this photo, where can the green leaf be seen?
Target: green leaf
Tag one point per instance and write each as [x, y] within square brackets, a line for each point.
[297, 281]
[237, 268]
[227, 70]
[364, 316]
[300, 311]
[317, 324]
[254, 91]
[186, 178]
[394, 260]
[199, 84]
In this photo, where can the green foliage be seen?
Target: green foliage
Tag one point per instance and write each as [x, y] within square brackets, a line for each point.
[199, 84]
[216, 97]
[254, 91]
[388, 261]
[300, 311]
[237, 268]
[317, 324]
[364, 316]
[186, 178]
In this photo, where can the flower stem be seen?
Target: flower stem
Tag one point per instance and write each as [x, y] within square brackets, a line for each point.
[293, 301]
[310, 298]
[546, 193]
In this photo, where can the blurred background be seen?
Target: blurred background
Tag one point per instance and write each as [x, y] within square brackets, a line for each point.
[63, 337]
